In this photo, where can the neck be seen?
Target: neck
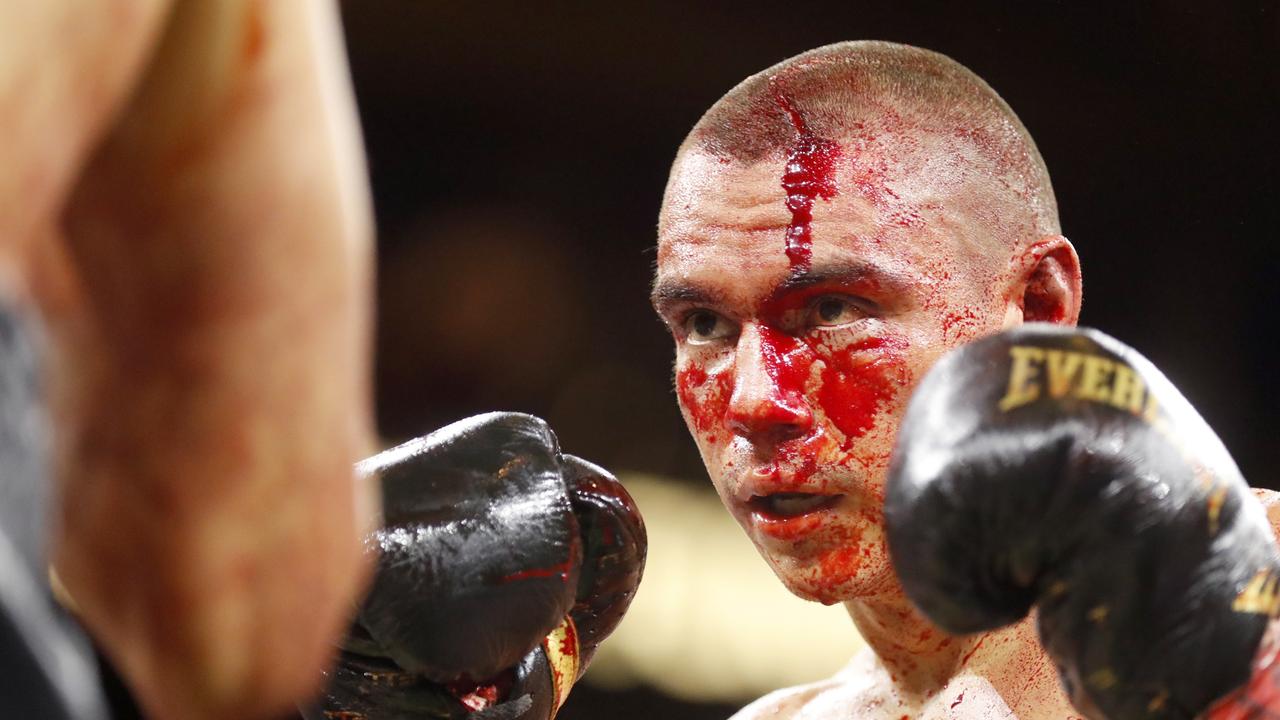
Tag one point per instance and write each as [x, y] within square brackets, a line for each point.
[919, 657]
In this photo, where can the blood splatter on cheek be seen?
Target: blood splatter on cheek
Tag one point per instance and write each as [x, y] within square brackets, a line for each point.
[961, 323]
[704, 396]
[861, 380]
[808, 385]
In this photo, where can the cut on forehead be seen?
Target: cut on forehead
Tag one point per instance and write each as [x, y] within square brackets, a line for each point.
[876, 90]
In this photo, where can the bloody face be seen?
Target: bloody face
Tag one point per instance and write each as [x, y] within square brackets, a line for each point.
[801, 324]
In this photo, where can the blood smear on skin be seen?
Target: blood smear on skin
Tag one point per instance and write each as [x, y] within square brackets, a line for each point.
[853, 393]
[810, 174]
[705, 396]
[854, 388]
[855, 384]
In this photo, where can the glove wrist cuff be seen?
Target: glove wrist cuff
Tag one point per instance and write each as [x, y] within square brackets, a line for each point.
[563, 657]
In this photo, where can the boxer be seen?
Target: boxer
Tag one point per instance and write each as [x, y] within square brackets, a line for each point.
[831, 227]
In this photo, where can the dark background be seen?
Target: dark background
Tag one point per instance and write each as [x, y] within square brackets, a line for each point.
[519, 150]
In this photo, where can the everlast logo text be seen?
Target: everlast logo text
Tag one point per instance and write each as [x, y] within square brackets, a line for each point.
[1041, 372]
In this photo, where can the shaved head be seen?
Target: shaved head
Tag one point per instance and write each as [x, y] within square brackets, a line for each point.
[919, 116]
[832, 226]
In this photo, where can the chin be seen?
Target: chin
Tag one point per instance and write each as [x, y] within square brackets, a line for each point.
[835, 577]
[824, 595]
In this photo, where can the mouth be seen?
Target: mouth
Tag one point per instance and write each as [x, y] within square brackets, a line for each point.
[782, 506]
[788, 516]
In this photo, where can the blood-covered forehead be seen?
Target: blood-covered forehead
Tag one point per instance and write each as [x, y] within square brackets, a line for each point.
[888, 184]
[911, 207]
[914, 152]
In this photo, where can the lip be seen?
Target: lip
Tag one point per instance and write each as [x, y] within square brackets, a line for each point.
[791, 526]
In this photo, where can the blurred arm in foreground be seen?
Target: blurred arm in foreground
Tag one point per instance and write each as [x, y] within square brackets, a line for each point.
[184, 199]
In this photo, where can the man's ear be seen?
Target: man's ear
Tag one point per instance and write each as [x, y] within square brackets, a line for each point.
[1047, 287]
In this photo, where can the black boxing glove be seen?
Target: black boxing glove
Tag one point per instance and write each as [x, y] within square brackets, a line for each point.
[1058, 468]
[502, 564]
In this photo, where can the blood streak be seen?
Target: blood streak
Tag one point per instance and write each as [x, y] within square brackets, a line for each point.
[560, 570]
[810, 173]
[788, 362]
[569, 643]
[969, 654]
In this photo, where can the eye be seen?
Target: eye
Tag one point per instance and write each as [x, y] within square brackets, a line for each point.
[703, 326]
[835, 310]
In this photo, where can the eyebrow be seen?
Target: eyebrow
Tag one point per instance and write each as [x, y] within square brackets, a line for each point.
[668, 293]
[836, 273]
[842, 272]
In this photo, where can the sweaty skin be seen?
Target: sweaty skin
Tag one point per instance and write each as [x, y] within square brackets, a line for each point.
[796, 350]
[792, 380]
[184, 200]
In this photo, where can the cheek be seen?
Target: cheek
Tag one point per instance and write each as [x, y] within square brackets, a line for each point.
[968, 317]
[961, 307]
[862, 381]
[704, 397]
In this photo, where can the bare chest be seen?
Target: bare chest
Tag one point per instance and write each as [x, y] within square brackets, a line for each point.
[1007, 678]
[962, 698]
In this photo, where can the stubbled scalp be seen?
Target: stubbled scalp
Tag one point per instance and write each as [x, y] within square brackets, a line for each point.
[916, 105]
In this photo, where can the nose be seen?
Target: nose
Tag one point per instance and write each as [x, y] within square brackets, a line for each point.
[768, 405]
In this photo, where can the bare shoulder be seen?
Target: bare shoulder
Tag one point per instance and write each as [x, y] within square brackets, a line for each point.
[840, 696]
[845, 697]
[833, 698]
[1006, 676]
[1270, 500]
[786, 703]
